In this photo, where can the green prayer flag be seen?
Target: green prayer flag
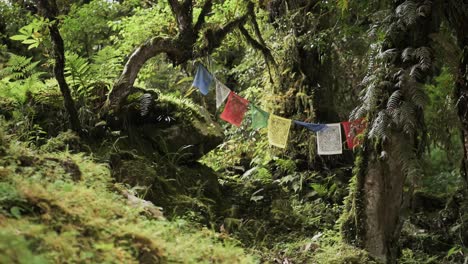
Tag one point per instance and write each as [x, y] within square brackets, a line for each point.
[259, 117]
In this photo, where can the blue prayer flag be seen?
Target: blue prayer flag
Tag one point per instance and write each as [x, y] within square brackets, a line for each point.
[311, 126]
[202, 79]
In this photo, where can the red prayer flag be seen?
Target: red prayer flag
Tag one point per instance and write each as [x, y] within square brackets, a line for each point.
[235, 109]
[353, 129]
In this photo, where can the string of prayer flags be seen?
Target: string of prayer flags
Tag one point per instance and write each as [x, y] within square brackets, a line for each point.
[278, 130]
[222, 92]
[202, 79]
[353, 129]
[311, 126]
[235, 109]
[329, 140]
[328, 135]
[259, 117]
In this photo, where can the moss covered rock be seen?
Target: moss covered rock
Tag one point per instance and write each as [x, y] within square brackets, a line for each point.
[173, 127]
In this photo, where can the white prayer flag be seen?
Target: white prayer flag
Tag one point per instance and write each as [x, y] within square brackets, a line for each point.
[222, 92]
[329, 140]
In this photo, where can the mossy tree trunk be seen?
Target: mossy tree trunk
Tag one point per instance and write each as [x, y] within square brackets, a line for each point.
[50, 11]
[383, 196]
[394, 104]
[457, 16]
[462, 106]
[309, 63]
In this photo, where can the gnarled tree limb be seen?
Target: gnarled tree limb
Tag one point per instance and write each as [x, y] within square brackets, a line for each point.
[179, 49]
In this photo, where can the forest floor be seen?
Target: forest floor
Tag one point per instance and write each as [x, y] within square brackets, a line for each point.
[60, 206]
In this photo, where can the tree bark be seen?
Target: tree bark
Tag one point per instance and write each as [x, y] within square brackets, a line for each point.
[50, 11]
[397, 126]
[461, 96]
[383, 195]
[151, 48]
[457, 16]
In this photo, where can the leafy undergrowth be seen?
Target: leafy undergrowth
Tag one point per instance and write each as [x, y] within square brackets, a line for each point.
[63, 208]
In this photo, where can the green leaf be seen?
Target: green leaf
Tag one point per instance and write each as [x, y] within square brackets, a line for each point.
[34, 45]
[185, 79]
[29, 41]
[320, 189]
[453, 250]
[18, 37]
[16, 212]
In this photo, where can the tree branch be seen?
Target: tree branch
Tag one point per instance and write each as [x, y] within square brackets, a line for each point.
[179, 49]
[182, 14]
[175, 7]
[149, 49]
[206, 9]
[215, 37]
[257, 45]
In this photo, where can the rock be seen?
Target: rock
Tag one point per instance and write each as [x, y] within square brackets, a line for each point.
[175, 128]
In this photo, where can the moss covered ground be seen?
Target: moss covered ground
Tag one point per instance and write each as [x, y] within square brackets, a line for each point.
[60, 207]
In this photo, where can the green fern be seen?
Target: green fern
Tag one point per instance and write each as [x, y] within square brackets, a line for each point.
[418, 96]
[407, 54]
[424, 55]
[19, 77]
[394, 101]
[407, 12]
[77, 72]
[380, 126]
[107, 65]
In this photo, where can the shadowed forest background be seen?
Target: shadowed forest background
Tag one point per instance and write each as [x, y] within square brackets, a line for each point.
[109, 155]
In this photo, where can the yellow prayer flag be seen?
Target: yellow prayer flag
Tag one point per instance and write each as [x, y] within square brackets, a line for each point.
[278, 130]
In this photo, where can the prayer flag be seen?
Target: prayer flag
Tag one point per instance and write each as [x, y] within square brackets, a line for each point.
[329, 140]
[235, 109]
[311, 126]
[202, 79]
[353, 129]
[222, 92]
[278, 130]
[259, 117]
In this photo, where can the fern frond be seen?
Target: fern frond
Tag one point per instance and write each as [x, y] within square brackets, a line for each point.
[424, 55]
[405, 117]
[358, 112]
[77, 71]
[417, 95]
[107, 64]
[388, 55]
[394, 101]
[370, 98]
[407, 12]
[401, 78]
[407, 54]
[380, 126]
[386, 85]
[30, 68]
[18, 67]
[425, 9]
[145, 102]
[416, 73]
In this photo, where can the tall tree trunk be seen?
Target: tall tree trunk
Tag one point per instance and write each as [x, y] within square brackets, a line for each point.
[383, 195]
[59, 54]
[393, 105]
[462, 106]
[457, 16]
[50, 11]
